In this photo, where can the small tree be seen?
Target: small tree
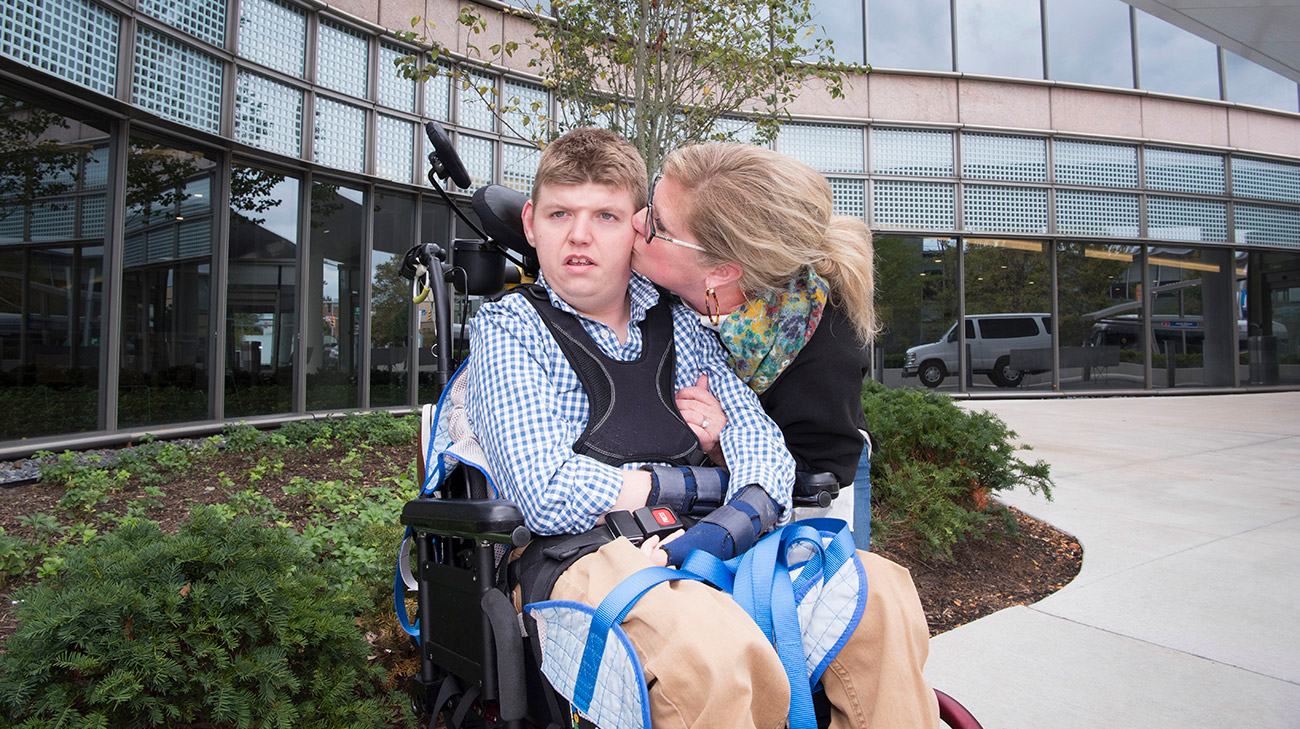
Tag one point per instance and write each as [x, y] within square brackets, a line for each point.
[661, 72]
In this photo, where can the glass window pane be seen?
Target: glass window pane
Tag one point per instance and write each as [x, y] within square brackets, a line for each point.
[998, 208]
[332, 326]
[841, 23]
[1008, 292]
[176, 81]
[476, 153]
[1173, 61]
[1099, 297]
[268, 114]
[51, 276]
[1000, 38]
[849, 196]
[1095, 164]
[1089, 42]
[1194, 340]
[437, 96]
[260, 294]
[916, 279]
[1266, 225]
[342, 59]
[72, 39]
[1250, 83]
[166, 289]
[1173, 218]
[1265, 179]
[390, 301]
[909, 205]
[274, 34]
[1108, 214]
[914, 34]
[1269, 332]
[519, 166]
[524, 110]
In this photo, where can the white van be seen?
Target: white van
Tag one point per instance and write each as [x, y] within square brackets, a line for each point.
[991, 338]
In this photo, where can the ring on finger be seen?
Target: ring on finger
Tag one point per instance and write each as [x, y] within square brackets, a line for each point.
[704, 423]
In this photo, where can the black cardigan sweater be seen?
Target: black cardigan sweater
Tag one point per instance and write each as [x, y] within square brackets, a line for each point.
[816, 400]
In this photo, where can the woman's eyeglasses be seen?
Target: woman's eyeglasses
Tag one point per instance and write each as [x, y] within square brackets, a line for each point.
[650, 221]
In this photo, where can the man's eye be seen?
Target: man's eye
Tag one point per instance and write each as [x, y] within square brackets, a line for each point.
[608, 216]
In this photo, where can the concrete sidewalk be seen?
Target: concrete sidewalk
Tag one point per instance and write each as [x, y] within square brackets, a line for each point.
[1187, 610]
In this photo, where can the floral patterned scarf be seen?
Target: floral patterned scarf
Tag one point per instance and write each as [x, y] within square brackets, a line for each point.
[763, 337]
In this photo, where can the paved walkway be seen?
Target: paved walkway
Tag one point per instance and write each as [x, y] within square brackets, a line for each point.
[1187, 610]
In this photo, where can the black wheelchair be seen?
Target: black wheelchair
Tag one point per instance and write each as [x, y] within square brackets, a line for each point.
[479, 658]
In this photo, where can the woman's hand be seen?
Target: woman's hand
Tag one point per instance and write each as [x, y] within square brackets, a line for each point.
[703, 413]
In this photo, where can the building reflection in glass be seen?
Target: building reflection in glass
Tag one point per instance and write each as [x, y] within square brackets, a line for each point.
[260, 307]
[53, 173]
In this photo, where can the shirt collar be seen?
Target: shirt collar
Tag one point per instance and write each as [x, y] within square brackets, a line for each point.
[643, 296]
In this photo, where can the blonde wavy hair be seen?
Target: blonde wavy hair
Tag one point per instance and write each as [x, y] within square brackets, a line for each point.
[772, 215]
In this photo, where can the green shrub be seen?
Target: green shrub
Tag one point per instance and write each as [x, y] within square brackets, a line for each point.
[226, 623]
[936, 467]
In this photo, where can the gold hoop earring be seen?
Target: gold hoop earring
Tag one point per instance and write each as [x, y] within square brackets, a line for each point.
[711, 305]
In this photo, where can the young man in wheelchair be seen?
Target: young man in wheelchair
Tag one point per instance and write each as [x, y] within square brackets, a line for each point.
[570, 457]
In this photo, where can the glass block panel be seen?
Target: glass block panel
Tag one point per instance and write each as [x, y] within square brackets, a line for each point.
[437, 96]
[478, 96]
[850, 197]
[12, 218]
[394, 91]
[1267, 224]
[96, 175]
[1179, 171]
[52, 219]
[824, 147]
[528, 101]
[1109, 214]
[914, 205]
[176, 81]
[342, 59]
[1172, 218]
[92, 216]
[340, 135]
[519, 166]
[911, 152]
[991, 208]
[203, 19]
[741, 130]
[394, 149]
[72, 39]
[268, 114]
[1001, 157]
[476, 153]
[1265, 180]
[274, 34]
[1092, 163]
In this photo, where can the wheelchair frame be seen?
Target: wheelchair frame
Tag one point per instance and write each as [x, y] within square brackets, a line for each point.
[476, 668]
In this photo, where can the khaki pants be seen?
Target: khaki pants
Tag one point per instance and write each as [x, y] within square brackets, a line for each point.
[707, 665]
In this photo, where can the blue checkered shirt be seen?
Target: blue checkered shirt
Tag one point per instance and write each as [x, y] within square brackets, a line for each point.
[527, 408]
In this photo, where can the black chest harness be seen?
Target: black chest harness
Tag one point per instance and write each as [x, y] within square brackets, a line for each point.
[632, 417]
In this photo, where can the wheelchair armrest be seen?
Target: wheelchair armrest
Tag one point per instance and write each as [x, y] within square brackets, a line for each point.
[495, 520]
[815, 489]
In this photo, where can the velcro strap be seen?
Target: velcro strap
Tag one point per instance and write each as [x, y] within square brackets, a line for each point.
[710, 488]
[669, 487]
[738, 519]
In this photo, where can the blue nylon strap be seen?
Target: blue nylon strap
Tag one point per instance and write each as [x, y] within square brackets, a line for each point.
[712, 570]
[610, 612]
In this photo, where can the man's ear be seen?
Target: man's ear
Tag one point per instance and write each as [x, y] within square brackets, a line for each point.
[528, 222]
[723, 274]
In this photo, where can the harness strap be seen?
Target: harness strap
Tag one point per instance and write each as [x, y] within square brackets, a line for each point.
[609, 613]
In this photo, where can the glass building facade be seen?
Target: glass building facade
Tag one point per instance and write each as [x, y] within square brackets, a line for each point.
[203, 204]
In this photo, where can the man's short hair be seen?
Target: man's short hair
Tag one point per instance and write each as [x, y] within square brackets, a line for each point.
[591, 155]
